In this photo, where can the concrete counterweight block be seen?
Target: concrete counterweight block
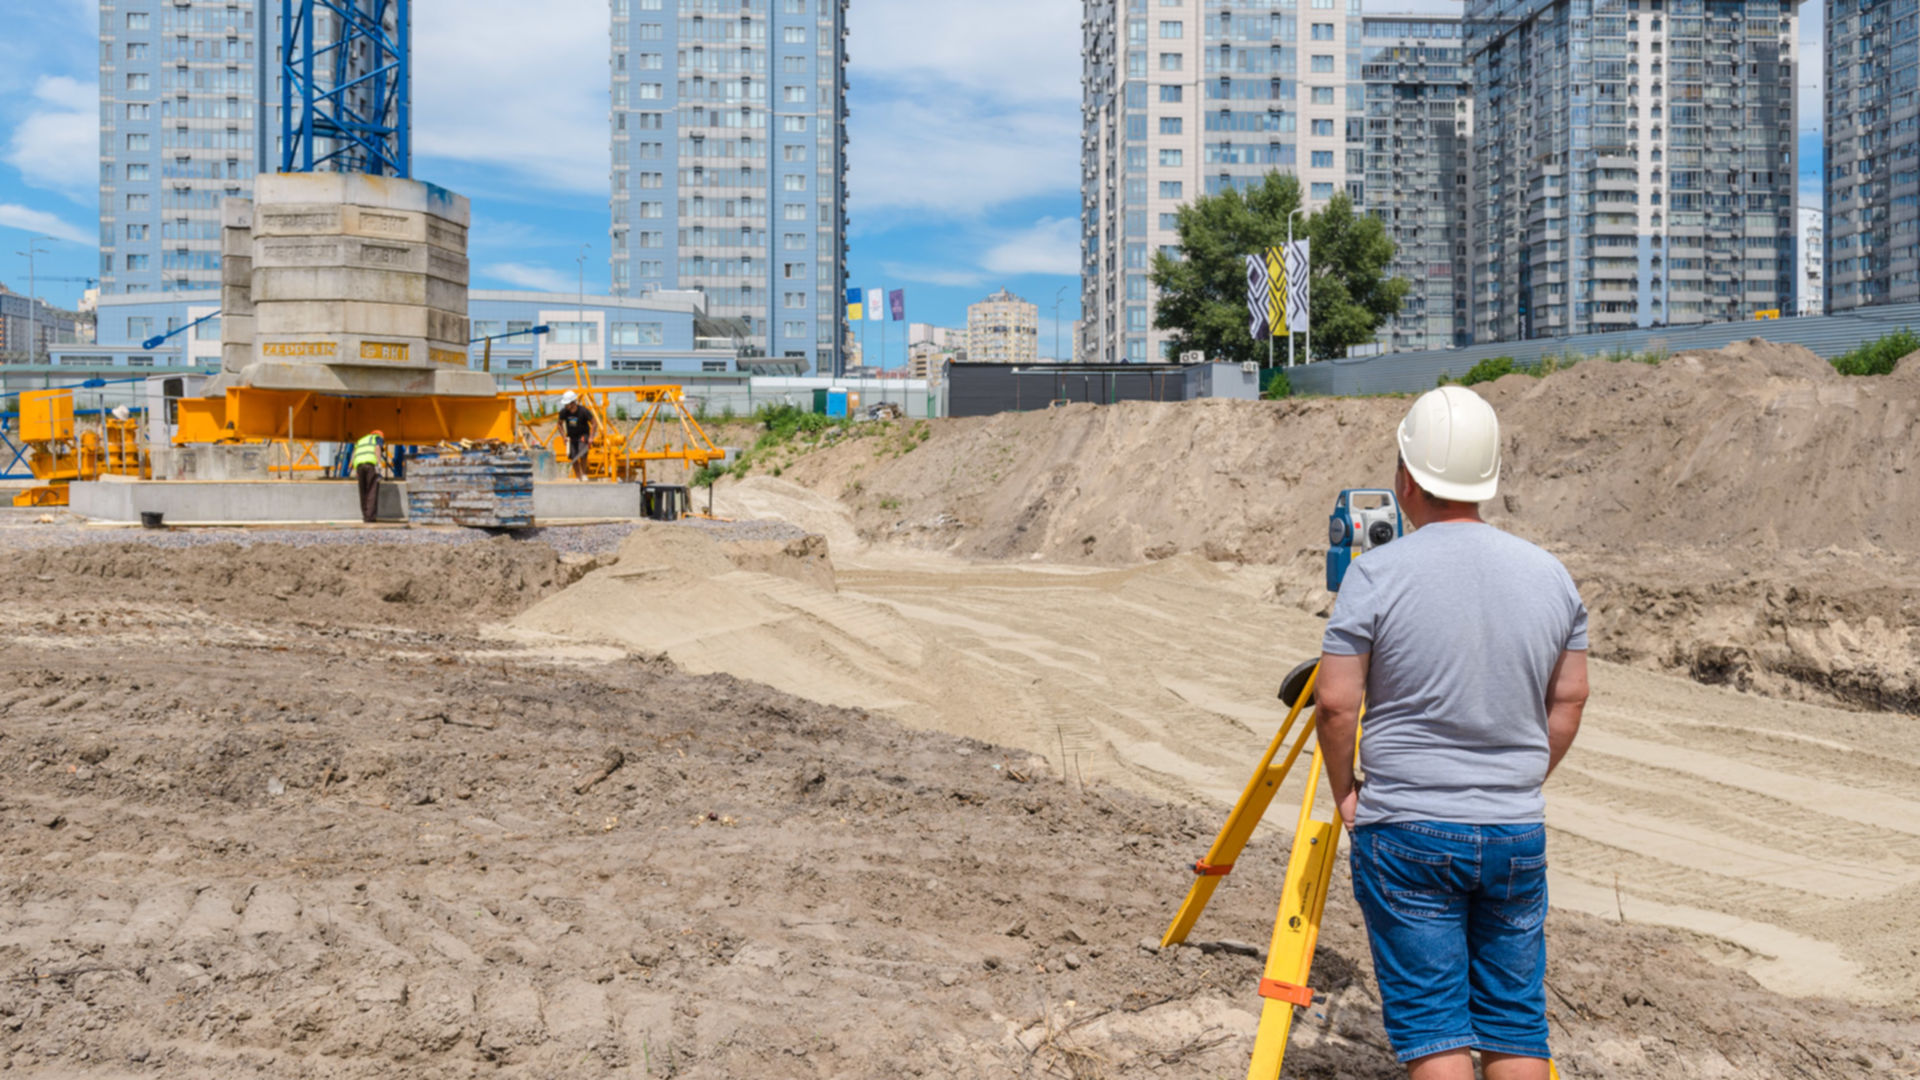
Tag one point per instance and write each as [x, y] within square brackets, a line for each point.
[358, 285]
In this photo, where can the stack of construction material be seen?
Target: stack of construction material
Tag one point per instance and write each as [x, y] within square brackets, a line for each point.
[488, 488]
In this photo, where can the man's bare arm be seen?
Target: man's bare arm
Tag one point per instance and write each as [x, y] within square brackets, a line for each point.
[1339, 689]
[1566, 699]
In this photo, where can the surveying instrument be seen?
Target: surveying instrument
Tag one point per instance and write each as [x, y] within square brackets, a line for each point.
[1362, 519]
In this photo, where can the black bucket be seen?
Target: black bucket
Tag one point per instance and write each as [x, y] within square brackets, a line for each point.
[150, 519]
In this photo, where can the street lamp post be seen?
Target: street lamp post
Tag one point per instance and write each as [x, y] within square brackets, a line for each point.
[580, 340]
[33, 303]
[1057, 299]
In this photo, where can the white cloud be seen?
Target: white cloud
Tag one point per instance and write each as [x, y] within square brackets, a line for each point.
[945, 156]
[527, 276]
[40, 223]
[953, 276]
[496, 88]
[997, 50]
[1050, 246]
[57, 145]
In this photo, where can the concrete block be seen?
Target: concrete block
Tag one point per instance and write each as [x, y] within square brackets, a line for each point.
[239, 497]
[379, 223]
[277, 284]
[235, 330]
[447, 206]
[446, 296]
[447, 266]
[298, 219]
[236, 213]
[354, 317]
[446, 326]
[323, 251]
[368, 381]
[236, 271]
[446, 235]
[234, 358]
[388, 350]
[316, 187]
[236, 299]
[236, 242]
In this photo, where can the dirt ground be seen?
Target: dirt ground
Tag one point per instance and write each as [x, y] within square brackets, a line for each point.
[901, 775]
[242, 844]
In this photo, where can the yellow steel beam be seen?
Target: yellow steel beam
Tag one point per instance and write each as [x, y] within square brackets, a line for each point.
[248, 414]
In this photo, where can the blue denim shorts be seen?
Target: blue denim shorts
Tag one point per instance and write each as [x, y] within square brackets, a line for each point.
[1456, 917]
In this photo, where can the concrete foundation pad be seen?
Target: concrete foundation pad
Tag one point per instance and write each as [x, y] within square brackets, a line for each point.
[186, 502]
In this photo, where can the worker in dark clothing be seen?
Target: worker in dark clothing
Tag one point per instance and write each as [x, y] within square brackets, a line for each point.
[369, 455]
[576, 423]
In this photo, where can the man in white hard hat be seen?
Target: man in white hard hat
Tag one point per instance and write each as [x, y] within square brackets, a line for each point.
[1468, 646]
[576, 423]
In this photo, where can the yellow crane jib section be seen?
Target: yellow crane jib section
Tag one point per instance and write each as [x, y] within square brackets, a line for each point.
[621, 450]
[248, 414]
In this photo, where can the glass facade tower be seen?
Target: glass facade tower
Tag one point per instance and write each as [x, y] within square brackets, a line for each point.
[1182, 98]
[728, 134]
[1633, 163]
[1872, 154]
[1418, 136]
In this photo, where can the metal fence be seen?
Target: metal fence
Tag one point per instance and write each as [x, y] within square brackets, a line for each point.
[1392, 373]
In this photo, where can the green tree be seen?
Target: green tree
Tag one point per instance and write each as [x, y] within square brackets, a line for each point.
[1203, 294]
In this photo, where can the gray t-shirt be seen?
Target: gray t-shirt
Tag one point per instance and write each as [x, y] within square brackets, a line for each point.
[1465, 624]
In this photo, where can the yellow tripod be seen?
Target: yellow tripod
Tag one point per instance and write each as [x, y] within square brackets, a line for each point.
[1303, 899]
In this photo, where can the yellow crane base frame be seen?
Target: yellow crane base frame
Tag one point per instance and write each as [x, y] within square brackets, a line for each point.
[247, 414]
[617, 453]
[62, 450]
[1303, 898]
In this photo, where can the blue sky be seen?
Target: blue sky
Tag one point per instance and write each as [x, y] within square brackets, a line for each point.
[964, 142]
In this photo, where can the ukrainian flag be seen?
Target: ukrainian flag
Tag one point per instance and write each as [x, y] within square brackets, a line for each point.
[854, 308]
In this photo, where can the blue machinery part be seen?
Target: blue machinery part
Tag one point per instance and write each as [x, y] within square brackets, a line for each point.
[346, 88]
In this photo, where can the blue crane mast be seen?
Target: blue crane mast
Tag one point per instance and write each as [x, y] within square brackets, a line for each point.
[346, 86]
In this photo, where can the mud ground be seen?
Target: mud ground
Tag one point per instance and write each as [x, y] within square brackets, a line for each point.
[237, 841]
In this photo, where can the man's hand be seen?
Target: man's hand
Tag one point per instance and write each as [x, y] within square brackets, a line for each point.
[1346, 805]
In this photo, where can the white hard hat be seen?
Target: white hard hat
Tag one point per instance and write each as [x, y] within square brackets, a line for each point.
[121, 412]
[569, 398]
[1450, 442]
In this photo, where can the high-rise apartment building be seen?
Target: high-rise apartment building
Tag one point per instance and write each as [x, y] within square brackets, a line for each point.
[729, 166]
[1872, 220]
[190, 112]
[1182, 99]
[1003, 329]
[1633, 163]
[180, 129]
[1418, 138]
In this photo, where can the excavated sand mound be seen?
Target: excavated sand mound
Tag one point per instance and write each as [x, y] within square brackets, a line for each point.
[1742, 515]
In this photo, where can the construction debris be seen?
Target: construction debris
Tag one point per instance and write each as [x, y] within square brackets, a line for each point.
[481, 488]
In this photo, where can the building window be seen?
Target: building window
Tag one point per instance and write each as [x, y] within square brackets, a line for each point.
[1170, 125]
[1170, 189]
[1322, 95]
[1322, 31]
[137, 203]
[1171, 93]
[573, 333]
[794, 35]
[794, 212]
[793, 271]
[139, 80]
[794, 182]
[793, 330]
[1323, 127]
[136, 50]
[1172, 29]
[1170, 61]
[1323, 159]
[137, 20]
[793, 124]
[137, 111]
[1171, 158]
[794, 95]
[793, 241]
[713, 365]
[793, 300]
[641, 333]
[1322, 65]
[644, 91]
[136, 171]
[139, 327]
[1322, 191]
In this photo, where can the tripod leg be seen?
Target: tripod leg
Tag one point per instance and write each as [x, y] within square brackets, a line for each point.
[1246, 814]
[1296, 931]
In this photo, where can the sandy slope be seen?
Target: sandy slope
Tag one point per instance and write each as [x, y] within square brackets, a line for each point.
[1789, 833]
